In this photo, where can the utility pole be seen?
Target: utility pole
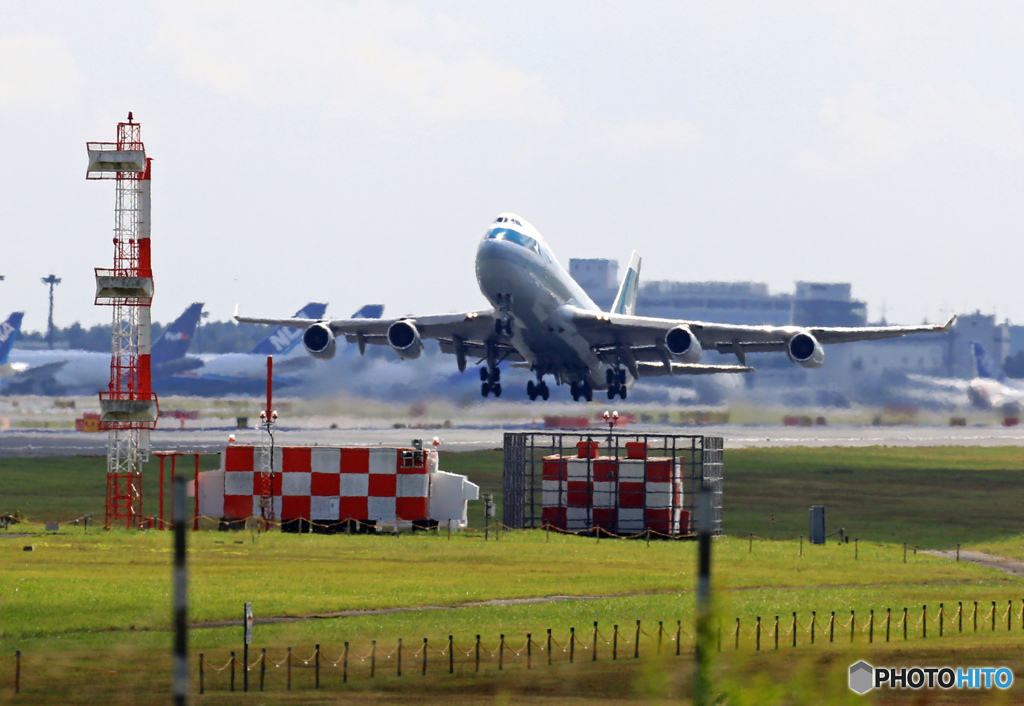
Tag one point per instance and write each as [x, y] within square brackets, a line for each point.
[51, 280]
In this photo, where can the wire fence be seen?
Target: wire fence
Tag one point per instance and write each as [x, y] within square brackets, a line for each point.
[290, 669]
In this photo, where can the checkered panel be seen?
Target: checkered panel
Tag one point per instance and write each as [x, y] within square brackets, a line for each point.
[630, 520]
[238, 483]
[603, 494]
[631, 471]
[294, 507]
[354, 485]
[325, 484]
[577, 518]
[239, 458]
[578, 469]
[324, 508]
[383, 461]
[631, 495]
[659, 470]
[552, 493]
[355, 460]
[295, 459]
[553, 468]
[355, 508]
[604, 470]
[381, 509]
[411, 486]
[578, 494]
[658, 495]
[604, 518]
[410, 508]
[325, 460]
[295, 484]
[383, 486]
[554, 516]
[237, 507]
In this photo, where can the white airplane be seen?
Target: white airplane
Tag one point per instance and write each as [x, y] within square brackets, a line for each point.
[543, 320]
[992, 389]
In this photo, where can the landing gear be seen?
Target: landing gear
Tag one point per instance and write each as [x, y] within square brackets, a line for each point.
[581, 390]
[490, 381]
[616, 379]
[538, 389]
[503, 326]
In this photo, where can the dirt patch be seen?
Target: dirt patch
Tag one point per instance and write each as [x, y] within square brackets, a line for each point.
[1007, 566]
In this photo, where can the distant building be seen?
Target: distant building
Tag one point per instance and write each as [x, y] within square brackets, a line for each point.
[983, 329]
[827, 304]
[598, 277]
[721, 302]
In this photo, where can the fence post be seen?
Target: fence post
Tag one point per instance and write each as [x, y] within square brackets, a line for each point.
[960, 616]
[636, 642]
[232, 671]
[501, 653]
[478, 653]
[750, 549]
[316, 665]
[202, 685]
[1009, 614]
[905, 623]
[924, 621]
[975, 616]
[737, 645]
[288, 659]
[615, 644]
[424, 673]
[993, 616]
[801, 545]
[529, 650]
[661, 629]
[757, 635]
[344, 666]
[263, 667]
[888, 622]
[832, 627]
[871, 627]
[572, 645]
[794, 628]
[399, 656]
[593, 656]
[941, 617]
[679, 636]
[814, 619]
[451, 649]
[853, 624]
[958, 552]
[776, 632]
[856, 549]
[904, 552]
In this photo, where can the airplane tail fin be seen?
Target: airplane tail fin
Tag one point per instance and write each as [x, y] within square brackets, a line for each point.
[174, 342]
[987, 367]
[284, 338]
[370, 311]
[625, 300]
[9, 331]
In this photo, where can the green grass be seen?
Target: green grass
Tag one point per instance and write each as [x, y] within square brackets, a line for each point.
[83, 604]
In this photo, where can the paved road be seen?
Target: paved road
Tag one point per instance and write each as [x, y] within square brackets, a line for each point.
[15, 443]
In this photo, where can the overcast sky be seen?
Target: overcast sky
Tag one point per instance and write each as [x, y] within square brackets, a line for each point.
[355, 153]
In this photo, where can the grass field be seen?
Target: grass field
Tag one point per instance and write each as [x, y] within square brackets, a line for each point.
[90, 610]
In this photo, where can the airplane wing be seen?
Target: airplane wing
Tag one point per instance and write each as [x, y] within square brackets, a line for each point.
[635, 339]
[464, 334]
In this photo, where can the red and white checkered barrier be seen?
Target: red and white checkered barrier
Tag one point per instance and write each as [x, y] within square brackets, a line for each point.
[620, 495]
[330, 484]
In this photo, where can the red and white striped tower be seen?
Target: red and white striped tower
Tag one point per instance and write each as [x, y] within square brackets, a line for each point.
[128, 408]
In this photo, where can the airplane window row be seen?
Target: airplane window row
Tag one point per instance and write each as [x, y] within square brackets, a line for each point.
[506, 219]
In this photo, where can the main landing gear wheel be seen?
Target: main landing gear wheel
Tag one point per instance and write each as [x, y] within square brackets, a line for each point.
[490, 381]
[616, 380]
[538, 389]
[503, 326]
[581, 390]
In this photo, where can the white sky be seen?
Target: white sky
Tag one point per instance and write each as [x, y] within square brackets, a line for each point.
[355, 153]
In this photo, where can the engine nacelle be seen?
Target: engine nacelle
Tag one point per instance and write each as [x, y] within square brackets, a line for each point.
[320, 342]
[683, 345]
[804, 350]
[405, 339]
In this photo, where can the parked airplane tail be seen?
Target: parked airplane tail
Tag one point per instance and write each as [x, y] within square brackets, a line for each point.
[283, 339]
[625, 300]
[174, 342]
[987, 367]
[9, 331]
[370, 311]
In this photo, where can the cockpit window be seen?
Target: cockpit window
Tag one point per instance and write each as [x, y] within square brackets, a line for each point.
[515, 237]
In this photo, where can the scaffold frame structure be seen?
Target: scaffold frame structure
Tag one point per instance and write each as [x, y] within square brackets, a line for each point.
[128, 407]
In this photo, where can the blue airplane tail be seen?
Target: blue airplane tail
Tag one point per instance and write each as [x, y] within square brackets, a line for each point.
[174, 342]
[987, 367]
[284, 338]
[370, 311]
[9, 331]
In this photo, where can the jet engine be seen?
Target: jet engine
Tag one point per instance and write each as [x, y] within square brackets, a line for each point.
[319, 341]
[683, 345]
[804, 350]
[405, 339]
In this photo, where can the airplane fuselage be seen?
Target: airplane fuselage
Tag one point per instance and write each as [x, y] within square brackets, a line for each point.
[525, 284]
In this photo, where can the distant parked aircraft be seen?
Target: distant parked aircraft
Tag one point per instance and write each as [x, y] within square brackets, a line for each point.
[246, 373]
[77, 372]
[9, 331]
[992, 389]
[543, 320]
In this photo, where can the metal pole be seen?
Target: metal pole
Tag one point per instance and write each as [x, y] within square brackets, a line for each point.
[263, 667]
[161, 492]
[179, 667]
[702, 650]
[195, 511]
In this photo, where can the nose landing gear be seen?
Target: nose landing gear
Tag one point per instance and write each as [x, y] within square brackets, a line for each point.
[490, 381]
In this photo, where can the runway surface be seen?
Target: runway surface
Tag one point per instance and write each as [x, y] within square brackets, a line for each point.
[17, 443]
